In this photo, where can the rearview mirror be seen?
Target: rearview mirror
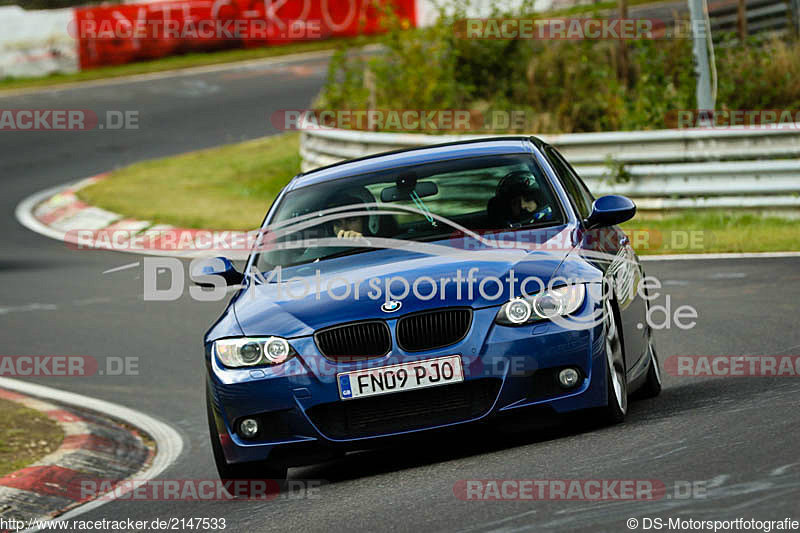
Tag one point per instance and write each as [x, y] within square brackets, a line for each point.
[610, 210]
[215, 266]
[396, 194]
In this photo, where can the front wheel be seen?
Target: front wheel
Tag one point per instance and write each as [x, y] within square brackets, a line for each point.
[260, 470]
[617, 384]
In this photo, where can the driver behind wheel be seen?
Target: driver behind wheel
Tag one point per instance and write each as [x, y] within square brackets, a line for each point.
[518, 200]
[347, 227]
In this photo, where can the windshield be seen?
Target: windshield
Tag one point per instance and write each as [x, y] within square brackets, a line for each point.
[418, 203]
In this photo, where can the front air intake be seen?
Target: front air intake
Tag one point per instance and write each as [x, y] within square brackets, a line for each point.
[433, 329]
[358, 341]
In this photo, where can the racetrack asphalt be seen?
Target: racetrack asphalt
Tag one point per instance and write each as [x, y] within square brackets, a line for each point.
[737, 437]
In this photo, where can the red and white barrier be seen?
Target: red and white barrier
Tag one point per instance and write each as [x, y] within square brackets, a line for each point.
[118, 34]
[37, 43]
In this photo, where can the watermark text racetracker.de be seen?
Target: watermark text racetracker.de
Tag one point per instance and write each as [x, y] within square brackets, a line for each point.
[577, 490]
[726, 119]
[733, 366]
[67, 120]
[199, 489]
[576, 28]
[402, 119]
[190, 28]
[67, 366]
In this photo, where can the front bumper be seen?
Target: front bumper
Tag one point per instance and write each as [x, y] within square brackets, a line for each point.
[505, 369]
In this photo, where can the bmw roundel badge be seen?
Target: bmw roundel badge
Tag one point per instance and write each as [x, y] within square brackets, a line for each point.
[390, 306]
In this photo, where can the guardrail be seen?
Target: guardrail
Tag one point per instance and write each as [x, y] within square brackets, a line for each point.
[760, 15]
[662, 169]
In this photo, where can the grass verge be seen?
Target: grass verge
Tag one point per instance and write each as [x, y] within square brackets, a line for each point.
[180, 62]
[26, 435]
[231, 187]
[713, 231]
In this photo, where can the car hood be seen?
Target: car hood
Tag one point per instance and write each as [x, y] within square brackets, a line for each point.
[295, 307]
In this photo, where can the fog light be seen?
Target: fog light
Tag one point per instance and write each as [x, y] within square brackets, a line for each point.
[248, 428]
[568, 378]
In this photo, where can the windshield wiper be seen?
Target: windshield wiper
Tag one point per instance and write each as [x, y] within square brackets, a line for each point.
[343, 253]
[542, 224]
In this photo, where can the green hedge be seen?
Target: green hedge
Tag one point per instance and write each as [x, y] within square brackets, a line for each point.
[563, 86]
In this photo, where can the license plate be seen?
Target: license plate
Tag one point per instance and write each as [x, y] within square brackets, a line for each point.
[402, 377]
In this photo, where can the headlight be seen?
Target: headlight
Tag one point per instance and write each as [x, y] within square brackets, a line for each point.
[542, 306]
[241, 352]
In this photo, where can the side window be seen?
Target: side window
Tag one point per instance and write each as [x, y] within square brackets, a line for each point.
[581, 197]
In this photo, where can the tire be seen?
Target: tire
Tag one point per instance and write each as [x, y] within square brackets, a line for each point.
[258, 470]
[616, 383]
[652, 385]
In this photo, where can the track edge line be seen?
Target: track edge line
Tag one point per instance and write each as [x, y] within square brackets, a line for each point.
[169, 443]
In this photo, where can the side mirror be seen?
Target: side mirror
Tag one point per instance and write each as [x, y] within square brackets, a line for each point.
[610, 210]
[215, 266]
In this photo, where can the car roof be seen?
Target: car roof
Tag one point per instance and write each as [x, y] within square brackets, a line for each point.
[416, 156]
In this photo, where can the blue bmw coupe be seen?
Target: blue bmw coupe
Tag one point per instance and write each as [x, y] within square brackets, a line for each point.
[421, 289]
